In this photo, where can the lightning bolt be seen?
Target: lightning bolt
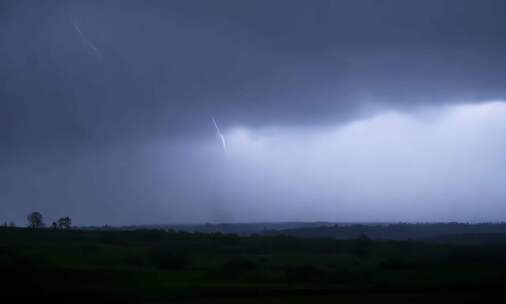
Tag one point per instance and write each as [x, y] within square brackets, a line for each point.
[220, 135]
[87, 42]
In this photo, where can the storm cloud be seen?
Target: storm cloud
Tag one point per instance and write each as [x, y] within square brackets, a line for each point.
[331, 110]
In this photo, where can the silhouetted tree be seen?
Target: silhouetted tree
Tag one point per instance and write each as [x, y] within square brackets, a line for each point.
[64, 223]
[54, 225]
[35, 220]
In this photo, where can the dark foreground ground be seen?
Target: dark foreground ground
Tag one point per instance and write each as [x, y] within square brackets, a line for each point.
[177, 267]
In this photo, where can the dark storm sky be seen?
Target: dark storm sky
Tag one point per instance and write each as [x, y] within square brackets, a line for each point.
[331, 110]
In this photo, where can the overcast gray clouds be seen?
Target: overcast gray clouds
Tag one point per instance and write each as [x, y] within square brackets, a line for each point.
[332, 110]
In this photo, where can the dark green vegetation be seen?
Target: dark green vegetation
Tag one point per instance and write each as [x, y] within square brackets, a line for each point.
[156, 266]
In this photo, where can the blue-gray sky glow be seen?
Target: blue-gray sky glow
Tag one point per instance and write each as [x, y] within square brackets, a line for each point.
[135, 112]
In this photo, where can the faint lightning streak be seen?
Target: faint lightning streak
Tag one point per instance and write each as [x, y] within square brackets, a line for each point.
[87, 42]
[220, 135]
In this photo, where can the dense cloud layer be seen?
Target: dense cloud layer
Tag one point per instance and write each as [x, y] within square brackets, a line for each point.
[164, 66]
[105, 107]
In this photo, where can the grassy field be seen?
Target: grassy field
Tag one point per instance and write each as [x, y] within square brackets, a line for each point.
[156, 267]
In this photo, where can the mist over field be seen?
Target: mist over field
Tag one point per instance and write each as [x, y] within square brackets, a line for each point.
[435, 164]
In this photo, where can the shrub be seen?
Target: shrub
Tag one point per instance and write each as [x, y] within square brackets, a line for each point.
[164, 259]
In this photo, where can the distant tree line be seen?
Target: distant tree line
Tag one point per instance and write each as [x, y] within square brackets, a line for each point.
[36, 220]
[394, 231]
